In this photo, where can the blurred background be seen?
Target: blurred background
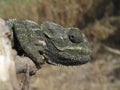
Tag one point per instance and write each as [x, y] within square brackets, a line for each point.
[98, 19]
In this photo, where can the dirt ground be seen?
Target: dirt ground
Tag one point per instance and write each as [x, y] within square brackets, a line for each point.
[101, 74]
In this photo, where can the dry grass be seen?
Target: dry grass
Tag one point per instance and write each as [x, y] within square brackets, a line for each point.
[67, 12]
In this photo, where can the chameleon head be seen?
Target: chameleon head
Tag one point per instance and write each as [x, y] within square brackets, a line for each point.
[65, 46]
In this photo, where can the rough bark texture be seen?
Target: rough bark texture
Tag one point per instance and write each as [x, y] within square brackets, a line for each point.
[8, 80]
[11, 63]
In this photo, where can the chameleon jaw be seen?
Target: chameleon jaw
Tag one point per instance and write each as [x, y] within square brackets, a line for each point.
[69, 62]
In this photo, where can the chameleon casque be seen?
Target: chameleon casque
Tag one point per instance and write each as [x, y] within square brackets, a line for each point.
[50, 42]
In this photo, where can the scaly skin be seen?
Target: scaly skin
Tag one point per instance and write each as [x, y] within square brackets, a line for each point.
[50, 42]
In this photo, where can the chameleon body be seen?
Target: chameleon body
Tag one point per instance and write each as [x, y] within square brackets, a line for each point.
[50, 42]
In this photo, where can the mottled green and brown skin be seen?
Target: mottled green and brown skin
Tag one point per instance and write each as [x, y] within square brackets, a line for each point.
[50, 42]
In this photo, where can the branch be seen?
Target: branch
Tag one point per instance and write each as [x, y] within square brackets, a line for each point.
[8, 80]
[10, 62]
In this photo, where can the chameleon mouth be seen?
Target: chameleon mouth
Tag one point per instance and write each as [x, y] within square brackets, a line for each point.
[70, 62]
[66, 58]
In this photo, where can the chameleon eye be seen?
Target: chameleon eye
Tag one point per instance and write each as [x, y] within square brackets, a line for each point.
[75, 36]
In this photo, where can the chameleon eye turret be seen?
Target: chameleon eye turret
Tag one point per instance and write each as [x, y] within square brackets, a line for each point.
[75, 35]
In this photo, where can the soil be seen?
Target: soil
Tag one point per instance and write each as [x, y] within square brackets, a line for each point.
[103, 73]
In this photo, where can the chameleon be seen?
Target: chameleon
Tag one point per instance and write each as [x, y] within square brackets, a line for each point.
[49, 42]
